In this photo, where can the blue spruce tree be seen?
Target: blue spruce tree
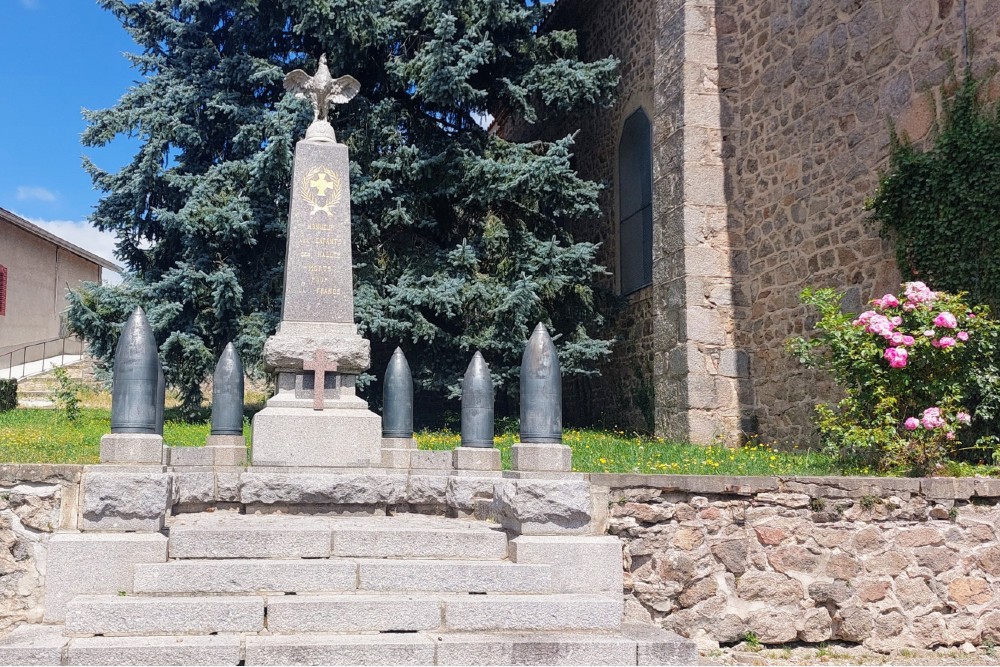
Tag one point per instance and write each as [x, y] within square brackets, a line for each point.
[460, 238]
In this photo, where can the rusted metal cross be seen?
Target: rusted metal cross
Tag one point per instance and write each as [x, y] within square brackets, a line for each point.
[320, 367]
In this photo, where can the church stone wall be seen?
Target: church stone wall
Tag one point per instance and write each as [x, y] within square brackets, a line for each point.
[814, 86]
[623, 395]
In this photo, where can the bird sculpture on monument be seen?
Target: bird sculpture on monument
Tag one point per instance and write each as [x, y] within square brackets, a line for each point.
[323, 91]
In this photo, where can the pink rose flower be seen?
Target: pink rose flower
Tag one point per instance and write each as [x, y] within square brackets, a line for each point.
[929, 333]
[946, 342]
[908, 340]
[950, 435]
[879, 324]
[896, 321]
[896, 356]
[909, 306]
[945, 320]
[963, 336]
[932, 418]
[911, 423]
[896, 338]
[887, 301]
[917, 292]
[963, 418]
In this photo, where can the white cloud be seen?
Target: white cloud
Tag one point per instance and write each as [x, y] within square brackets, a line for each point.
[25, 193]
[80, 233]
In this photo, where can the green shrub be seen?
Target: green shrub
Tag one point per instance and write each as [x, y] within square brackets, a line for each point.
[66, 394]
[8, 395]
[918, 371]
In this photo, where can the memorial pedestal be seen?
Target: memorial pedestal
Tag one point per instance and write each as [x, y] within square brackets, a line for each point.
[317, 344]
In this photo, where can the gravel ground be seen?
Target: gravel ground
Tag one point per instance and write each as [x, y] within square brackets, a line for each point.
[848, 654]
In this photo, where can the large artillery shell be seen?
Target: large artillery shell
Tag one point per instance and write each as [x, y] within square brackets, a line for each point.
[135, 382]
[227, 394]
[397, 398]
[477, 404]
[541, 390]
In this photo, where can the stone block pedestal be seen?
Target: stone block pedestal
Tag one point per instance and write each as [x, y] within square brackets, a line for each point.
[335, 438]
[541, 457]
[227, 450]
[132, 448]
[476, 458]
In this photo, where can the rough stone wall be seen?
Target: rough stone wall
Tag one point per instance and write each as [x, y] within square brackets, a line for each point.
[888, 563]
[817, 85]
[623, 394]
[33, 500]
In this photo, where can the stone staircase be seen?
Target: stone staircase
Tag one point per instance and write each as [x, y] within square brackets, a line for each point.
[276, 589]
[36, 391]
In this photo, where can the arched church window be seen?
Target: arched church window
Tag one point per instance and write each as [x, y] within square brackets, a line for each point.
[635, 204]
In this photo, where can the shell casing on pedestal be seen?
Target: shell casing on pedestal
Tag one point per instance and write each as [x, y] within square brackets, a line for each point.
[397, 398]
[135, 381]
[477, 404]
[161, 396]
[541, 390]
[227, 394]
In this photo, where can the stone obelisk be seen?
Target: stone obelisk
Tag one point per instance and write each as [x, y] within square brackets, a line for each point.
[316, 419]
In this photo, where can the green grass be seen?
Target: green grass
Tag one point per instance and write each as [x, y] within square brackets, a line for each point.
[616, 451]
[46, 436]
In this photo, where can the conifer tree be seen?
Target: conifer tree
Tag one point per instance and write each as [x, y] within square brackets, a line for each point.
[459, 236]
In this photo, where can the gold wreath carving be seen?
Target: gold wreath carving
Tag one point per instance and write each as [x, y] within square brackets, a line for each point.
[321, 189]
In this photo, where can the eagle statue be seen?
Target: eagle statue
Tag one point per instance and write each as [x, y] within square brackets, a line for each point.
[322, 90]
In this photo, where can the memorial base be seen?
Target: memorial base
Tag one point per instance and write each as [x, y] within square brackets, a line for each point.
[541, 457]
[303, 437]
[132, 448]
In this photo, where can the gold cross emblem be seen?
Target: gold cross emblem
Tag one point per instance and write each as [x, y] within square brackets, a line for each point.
[321, 184]
[322, 190]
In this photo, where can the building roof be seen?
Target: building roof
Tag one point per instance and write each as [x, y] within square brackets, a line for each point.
[32, 228]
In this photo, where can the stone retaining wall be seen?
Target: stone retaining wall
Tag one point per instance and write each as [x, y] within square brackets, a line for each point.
[885, 562]
[888, 563]
[33, 499]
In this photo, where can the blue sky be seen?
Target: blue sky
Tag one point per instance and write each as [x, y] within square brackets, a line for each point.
[59, 56]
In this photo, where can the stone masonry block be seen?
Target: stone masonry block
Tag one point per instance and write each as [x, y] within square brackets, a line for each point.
[457, 543]
[117, 615]
[396, 458]
[215, 650]
[323, 489]
[132, 448]
[427, 489]
[453, 576]
[352, 613]
[32, 645]
[287, 436]
[580, 563]
[256, 575]
[542, 506]
[94, 564]
[550, 648]
[190, 456]
[386, 649]
[476, 458]
[194, 488]
[541, 457]
[249, 536]
[656, 646]
[532, 612]
[431, 460]
[126, 501]
[466, 491]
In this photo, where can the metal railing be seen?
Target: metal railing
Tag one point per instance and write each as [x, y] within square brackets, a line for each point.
[35, 358]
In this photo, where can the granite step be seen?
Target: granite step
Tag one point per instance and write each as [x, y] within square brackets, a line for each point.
[230, 576]
[629, 645]
[231, 535]
[455, 612]
[233, 576]
[134, 615]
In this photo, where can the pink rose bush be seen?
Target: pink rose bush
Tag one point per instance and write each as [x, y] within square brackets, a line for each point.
[908, 365]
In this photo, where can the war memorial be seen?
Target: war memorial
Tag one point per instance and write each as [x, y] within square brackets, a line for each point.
[335, 541]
